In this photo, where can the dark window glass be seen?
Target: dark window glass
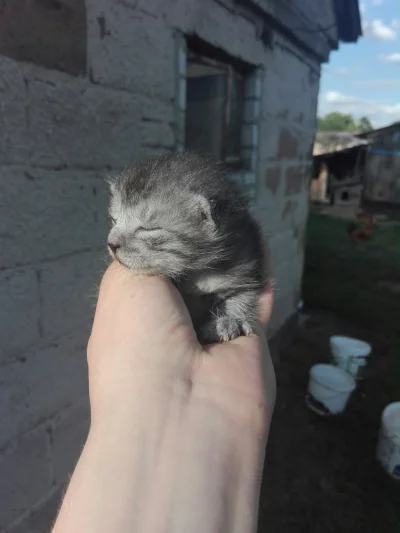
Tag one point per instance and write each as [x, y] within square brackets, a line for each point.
[214, 108]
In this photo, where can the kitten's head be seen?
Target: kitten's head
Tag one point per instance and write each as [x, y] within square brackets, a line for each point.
[168, 215]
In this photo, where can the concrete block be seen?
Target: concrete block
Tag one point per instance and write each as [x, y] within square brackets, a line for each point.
[269, 138]
[158, 110]
[42, 517]
[130, 49]
[284, 307]
[14, 134]
[218, 25]
[24, 475]
[68, 436]
[282, 248]
[19, 312]
[84, 126]
[157, 134]
[69, 289]
[46, 214]
[46, 34]
[37, 387]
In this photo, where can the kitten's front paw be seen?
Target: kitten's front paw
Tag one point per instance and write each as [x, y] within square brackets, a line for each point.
[225, 328]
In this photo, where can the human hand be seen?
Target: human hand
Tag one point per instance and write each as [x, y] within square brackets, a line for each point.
[178, 430]
[142, 330]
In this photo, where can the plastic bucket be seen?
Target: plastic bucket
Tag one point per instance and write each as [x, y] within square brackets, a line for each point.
[388, 449]
[329, 389]
[350, 354]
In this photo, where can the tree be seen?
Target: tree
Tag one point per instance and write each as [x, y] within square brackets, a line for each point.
[337, 122]
[343, 122]
[364, 125]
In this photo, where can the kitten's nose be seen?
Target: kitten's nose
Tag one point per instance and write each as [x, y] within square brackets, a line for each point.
[114, 246]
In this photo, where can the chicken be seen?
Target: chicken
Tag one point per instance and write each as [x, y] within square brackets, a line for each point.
[357, 233]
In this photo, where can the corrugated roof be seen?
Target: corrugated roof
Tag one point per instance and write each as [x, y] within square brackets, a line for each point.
[348, 20]
[394, 126]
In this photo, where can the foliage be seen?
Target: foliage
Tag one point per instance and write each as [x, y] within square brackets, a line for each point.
[343, 122]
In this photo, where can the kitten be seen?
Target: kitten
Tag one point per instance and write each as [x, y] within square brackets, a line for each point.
[177, 216]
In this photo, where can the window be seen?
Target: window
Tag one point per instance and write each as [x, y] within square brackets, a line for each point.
[218, 103]
[215, 106]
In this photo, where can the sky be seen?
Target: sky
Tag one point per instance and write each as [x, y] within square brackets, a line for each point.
[364, 78]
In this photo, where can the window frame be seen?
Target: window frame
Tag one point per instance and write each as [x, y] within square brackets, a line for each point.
[231, 162]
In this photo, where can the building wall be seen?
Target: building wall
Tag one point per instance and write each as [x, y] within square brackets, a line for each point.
[61, 132]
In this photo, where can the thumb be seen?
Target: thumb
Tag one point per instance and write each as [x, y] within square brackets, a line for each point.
[265, 306]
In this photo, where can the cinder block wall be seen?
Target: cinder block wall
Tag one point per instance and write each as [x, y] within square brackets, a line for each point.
[61, 132]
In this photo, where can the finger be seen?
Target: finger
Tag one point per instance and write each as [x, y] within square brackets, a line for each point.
[265, 306]
[133, 310]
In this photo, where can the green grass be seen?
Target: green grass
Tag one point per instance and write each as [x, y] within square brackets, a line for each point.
[347, 280]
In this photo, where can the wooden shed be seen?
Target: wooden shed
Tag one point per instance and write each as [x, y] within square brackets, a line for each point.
[381, 191]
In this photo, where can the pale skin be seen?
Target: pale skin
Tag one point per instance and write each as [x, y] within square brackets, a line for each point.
[178, 431]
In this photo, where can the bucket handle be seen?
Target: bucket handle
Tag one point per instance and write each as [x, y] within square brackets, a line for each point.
[350, 360]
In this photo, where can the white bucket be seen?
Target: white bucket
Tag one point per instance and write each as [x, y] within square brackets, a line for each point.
[329, 389]
[388, 449]
[350, 354]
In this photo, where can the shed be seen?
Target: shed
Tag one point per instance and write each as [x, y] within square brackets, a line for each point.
[381, 192]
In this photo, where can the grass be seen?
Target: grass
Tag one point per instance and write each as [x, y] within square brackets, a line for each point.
[350, 281]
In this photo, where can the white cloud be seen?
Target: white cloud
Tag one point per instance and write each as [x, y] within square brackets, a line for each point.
[376, 29]
[381, 84]
[396, 23]
[392, 58]
[363, 8]
[380, 114]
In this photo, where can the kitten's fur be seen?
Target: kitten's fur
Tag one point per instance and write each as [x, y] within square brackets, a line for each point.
[177, 216]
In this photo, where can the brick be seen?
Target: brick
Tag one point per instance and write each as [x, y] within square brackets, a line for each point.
[68, 437]
[119, 56]
[69, 288]
[24, 475]
[45, 214]
[14, 134]
[288, 144]
[249, 158]
[37, 387]
[80, 125]
[42, 517]
[250, 135]
[294, 180]
[19, 312]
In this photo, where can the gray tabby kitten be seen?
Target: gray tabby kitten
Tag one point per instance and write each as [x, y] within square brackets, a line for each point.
[177, 216]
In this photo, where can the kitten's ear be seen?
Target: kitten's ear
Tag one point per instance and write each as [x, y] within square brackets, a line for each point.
[205, 209]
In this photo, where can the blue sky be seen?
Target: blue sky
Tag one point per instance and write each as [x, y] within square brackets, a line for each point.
[364, 78]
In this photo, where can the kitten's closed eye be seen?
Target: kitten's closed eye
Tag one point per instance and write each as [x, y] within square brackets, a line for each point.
[143, 232]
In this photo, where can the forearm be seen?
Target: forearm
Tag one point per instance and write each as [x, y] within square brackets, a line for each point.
[182, 467]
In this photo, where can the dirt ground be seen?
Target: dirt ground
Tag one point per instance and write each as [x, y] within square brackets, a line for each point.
[320, 474]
